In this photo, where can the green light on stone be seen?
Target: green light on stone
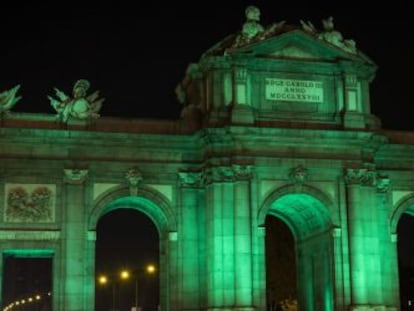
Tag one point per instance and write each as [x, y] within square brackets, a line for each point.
[29, 253]
[309, 222]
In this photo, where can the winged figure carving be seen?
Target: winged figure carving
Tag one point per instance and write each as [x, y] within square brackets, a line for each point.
[8, 99]
[80, 106]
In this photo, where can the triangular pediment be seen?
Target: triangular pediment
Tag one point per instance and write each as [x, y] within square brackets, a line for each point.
[298, 44]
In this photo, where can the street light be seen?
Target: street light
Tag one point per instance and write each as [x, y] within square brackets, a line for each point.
[104, 279]
[149, 269]
[124, 275]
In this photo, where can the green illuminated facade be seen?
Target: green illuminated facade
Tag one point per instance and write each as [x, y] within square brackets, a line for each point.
[276, 122]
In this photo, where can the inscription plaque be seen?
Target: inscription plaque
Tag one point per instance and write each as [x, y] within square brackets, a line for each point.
[293, 90]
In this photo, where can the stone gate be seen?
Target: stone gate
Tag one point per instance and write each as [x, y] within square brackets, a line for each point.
[276, 122]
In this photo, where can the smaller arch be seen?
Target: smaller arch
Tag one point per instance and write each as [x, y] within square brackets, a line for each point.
[404, 205]
[148, 200]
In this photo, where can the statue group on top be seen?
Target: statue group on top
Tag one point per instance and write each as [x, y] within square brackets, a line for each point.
[79, 106]
[330, 35]
[253, 31]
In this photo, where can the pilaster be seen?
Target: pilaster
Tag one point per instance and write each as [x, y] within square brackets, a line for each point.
[229, 237]
[364, 216]
[190, 242]
[242, 236]
[74, 241]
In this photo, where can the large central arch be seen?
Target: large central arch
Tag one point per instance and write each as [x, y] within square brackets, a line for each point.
[306, 212]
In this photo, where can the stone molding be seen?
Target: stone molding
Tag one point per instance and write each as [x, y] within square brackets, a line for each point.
[298, 175]
[40, 235]
[75, 176]
[208, 175]
[134, 179]
[231, 173]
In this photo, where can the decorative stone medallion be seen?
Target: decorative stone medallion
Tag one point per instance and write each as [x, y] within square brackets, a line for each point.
[26, 203]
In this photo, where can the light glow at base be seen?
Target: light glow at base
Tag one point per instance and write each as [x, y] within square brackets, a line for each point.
[22, 301]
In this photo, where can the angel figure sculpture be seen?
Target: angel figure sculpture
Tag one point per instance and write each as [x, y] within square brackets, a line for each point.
[8, 99]
[79, 106]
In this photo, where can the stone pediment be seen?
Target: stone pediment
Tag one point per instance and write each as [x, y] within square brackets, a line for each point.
[297, 44]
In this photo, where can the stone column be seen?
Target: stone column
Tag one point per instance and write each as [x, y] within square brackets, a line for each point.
[169, 273]
[90, 270]
[219, 238]
[259, 281]
[74, 242]
[243, 238]
[338, 268]
[365, 257]
[189, 244]
[1, 277]
[229, 251]
[387, 246]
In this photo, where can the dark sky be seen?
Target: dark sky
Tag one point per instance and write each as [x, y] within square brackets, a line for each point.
[136, 52]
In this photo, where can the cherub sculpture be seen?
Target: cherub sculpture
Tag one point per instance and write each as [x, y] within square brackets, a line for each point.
[8, 99]
[80, 106]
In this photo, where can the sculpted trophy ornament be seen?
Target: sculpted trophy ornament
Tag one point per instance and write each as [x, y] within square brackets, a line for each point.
[330, 34]
[253, 31]
[8, 99]
[80, 106]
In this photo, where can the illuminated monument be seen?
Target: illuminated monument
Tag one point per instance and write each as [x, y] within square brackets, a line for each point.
[276, 123]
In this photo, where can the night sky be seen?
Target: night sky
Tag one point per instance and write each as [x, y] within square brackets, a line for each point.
[135, 52]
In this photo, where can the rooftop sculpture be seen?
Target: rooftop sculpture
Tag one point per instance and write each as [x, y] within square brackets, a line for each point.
[330, 35]
[8, 99]
[252, 31]
[79, 106]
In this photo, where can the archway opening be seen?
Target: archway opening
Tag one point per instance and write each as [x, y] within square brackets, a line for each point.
[308, 223]
[27, 279]
[406, 261]
[280, 264]
[127, 242]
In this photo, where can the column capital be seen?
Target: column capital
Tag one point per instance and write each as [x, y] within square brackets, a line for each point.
[190, 179]
[218, 174]
[240, 74]
[242, 171]
[367, 176]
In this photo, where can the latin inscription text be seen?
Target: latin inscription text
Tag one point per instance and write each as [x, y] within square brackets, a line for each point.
[294, 90]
